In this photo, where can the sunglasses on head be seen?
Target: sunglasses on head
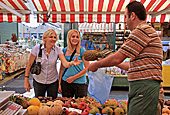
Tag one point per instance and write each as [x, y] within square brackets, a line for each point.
[75, 36]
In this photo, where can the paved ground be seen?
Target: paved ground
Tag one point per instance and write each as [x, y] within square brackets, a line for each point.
[17, 84]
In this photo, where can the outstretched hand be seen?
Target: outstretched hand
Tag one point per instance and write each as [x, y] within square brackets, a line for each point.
[76, 61]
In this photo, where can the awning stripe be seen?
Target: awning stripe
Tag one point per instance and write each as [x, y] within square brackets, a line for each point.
[153, 20]
[159, 5]
[1, 17]
[18, 19]
[9, 17]
[43, 5]
[54, 20]
[81, 3]
[71, 5]
[25, 8]
[62, 5]
[36, 5]
[53, 6]
[120, 5]
[150, 5]
[13, 4]
[162, 18]
[100, 7]
[142, 1]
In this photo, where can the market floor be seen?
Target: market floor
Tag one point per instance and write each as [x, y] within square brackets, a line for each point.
[17, 85]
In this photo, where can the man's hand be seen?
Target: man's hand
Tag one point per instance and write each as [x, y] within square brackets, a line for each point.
[93, 67]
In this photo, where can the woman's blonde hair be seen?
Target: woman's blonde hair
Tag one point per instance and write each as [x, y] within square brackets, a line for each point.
[48, 33]
[69, 34]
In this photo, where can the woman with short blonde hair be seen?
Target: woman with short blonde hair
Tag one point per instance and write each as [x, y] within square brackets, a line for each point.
[47, 33]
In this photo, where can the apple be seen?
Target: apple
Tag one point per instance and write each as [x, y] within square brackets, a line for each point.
[85, 112]
[82, 105]
[74, 105]
[67, 104]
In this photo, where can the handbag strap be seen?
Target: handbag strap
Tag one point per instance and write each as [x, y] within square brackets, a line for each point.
[39, 55]
[69, 61]
[40, 51]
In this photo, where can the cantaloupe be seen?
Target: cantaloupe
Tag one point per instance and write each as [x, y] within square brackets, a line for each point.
[44, 110]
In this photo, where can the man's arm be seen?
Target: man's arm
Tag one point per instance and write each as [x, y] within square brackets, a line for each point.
[124, 65]
[111, 60]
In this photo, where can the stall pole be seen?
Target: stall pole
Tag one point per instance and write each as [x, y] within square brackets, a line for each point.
[114, 35]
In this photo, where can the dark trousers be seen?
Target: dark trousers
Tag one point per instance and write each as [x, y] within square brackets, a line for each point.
[40, 89]
[73, 89]
[143, 97]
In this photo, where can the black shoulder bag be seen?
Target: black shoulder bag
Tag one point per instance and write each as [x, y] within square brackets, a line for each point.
[69, 61]
[36, 67]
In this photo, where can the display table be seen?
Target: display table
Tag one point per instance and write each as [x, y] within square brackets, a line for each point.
[16, 61]
[12, 59]
[2, 65]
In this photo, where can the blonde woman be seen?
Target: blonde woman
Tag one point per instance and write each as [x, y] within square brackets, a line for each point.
[47, 80]
[73, 81]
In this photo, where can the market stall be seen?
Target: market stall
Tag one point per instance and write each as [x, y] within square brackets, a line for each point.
[12, 58]
[98, 11]
[16, 61]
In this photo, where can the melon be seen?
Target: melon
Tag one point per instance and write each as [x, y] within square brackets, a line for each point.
[44, 110]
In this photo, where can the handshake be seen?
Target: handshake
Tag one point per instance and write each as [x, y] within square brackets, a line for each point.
[92, 55]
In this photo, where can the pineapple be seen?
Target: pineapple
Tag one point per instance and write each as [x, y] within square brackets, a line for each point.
[19, 100]
[91, 55]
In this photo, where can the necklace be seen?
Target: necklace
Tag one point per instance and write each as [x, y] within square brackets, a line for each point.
[46, 52]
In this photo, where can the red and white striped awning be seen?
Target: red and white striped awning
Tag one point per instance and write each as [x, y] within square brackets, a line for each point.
[96, 10]
[95, 27]
[17, 5]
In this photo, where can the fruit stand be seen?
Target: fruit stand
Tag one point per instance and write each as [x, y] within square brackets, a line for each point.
[79, 106]
[70, 106]
[13, 58]
[2, 64]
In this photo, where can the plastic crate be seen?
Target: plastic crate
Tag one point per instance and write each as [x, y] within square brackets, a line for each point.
[166, 75]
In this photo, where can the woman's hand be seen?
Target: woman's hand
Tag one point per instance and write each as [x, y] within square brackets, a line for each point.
[27, 86]
[76, 61]
[70, 79]
[59, 89]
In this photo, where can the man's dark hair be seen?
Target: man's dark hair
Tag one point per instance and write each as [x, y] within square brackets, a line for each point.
[137, 8]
